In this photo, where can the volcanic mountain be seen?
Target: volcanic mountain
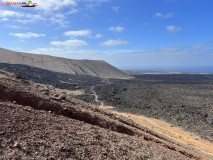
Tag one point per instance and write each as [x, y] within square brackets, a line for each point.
[96, 68]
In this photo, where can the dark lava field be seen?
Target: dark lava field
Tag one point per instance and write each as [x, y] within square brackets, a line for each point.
[184, 100]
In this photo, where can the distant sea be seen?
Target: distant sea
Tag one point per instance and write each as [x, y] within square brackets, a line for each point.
[206, 69]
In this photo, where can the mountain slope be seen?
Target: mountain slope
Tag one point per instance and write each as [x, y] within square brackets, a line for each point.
[39, 125]
[62, 65]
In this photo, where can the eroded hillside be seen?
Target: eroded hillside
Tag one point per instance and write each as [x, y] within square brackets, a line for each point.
[38, 123]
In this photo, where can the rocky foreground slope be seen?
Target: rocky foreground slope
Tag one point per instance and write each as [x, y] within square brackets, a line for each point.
[62, 65]
[36, 123]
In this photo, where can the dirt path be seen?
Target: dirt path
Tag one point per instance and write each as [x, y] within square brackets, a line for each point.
[94, 93]
[96, 97]
[164, 128]
[106, 81]
[167, 129]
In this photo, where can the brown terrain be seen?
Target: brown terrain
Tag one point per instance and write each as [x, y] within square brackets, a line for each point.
[63, 65]
[169, 130]
[39, 123]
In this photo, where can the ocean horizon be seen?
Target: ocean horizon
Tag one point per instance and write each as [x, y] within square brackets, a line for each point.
[203, 69]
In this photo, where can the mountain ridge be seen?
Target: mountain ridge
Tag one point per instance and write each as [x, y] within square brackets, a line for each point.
[97, 68]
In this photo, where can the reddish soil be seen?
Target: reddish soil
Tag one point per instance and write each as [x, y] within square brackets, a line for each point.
[169, 130]
[36, 124]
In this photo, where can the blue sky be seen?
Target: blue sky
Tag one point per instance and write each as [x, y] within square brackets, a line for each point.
[129, 34]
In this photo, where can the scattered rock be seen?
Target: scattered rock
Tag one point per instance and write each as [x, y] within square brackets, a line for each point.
[16, 145]
[62, 97]
[17, 76]
[55, 95]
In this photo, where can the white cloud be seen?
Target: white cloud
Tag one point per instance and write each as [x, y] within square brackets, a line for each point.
[67, 52]
[50, 5]
[9, 13]
[116, 29]
[171, 49]
[73, 11]
[47, 11]
[115, 9]
[25, 21]
[201, 45]
[91, 4]
[98, 36]
[25, 18]
[164, 16]
[5, 19]
[58, 19]
[31, 18]
[20, 16]
[27, 35]
[198, 46]
[114, 42]
[16, 27]
[35, 17]
[79, 33]
[172, 28]
[69, 43]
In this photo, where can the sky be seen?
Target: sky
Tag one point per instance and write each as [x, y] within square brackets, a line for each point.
[129, 34]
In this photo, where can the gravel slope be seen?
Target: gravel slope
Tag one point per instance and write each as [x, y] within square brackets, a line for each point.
[37, 124]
